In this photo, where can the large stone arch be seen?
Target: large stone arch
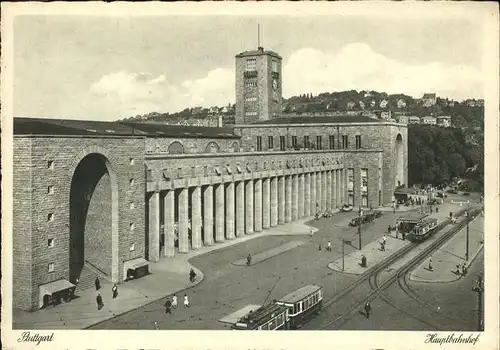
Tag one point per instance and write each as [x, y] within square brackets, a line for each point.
[102, 160]
[176, 148]
[399, 176]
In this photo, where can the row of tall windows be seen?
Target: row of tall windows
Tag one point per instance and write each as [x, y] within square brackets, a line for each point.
[307, 144]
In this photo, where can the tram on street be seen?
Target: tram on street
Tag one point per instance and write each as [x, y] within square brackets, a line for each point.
[423, 229]
[269, 317]
[302, 303]
[405, 224]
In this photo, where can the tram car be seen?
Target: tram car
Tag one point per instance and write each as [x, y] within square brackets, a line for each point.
[290, 312]
[423, 229]
[302, 304]
[269, 317]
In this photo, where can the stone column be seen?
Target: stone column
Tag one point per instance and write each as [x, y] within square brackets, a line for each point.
[183, 221]
[301, 196]
[288, 199]
[249, 206]
[196, 218]
[334, 189]
[230, 211]
[319, 192]
[208, 215]
[219, 213]
[295, 197]
[313, 194]
[154, 226]
[258, 205]
[274, 201]
[240, 208]
[328, 190]
[281, 200]
[342, 187]
[266, 203]
[307, 194]
[168, 223]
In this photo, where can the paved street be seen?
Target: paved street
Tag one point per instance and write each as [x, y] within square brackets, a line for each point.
[228, 287]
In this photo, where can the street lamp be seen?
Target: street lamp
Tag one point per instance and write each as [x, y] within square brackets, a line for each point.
[344, 241]
[478, 287]
[359, 226]
[467, 237]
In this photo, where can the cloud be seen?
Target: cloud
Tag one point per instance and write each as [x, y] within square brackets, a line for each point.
[124, 94]
[354, 67]
[358, 67]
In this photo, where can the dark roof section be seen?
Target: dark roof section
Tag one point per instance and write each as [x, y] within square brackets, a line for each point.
[258, 52]
[38, 126]
[164, 130]
[321, 120]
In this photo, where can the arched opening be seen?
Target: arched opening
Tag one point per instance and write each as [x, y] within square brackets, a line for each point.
[399, 162]
[93, 219]
[176, 148]
[212, 147]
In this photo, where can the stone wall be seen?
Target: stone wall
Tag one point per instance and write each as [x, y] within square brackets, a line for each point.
[66, 153]
[22, 224]
[191, 145]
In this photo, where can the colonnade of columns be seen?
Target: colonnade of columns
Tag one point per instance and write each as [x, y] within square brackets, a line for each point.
[223, 211]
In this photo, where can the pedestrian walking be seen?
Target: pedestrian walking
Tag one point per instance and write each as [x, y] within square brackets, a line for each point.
[329, 247]
[368, 309]
[97, 283]
[249, 260]
[168, 305]
[174, 301]
[319, 247]
[115, 291]
[458, 269]
[311, 232]
[192, 275]
[389, 229]
[430, 264]
[464, 269]
[384, 239]
[156, 325]
[186, 300]
[100, 304]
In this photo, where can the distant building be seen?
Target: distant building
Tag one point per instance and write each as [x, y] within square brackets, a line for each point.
[429, 120]
[350, 105]
[383, 103]
[386, 115]
[413, 120]
[361, 104]
[373, 103]
[429, 100]
[444, 120]
[402, 119]
[401, 103]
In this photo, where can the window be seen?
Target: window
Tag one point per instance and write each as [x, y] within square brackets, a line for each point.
[131, 162]
[251, 64]
[331, 142]
[131, 182]
[132, 226]
[131, 205]
[319, 142]
[259, 143]
[50, 190]
[51, 267]
[282, 143]
[294, 142]
[306, 142]
[50, 217]
[50, 165]
[358, 141]
[50, 242]
[275, 65]
[345, 141]
[270, 142]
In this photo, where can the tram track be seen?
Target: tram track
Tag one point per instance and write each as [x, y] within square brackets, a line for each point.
[372, 275]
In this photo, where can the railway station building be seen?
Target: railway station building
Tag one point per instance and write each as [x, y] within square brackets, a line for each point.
[109, 198]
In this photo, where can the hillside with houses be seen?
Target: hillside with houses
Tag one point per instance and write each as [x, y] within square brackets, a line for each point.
[429, 109]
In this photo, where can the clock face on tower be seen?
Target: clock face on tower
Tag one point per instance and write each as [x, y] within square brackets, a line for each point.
[275, 84]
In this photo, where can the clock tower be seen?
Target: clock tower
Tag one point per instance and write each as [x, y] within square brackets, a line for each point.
[258, 86]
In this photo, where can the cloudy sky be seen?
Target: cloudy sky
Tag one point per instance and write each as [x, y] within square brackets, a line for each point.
[92, 67]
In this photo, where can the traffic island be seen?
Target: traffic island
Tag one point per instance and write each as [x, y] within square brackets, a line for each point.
[373, 252]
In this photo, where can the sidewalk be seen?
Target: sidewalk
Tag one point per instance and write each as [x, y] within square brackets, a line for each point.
[451, 254]
[168, 276]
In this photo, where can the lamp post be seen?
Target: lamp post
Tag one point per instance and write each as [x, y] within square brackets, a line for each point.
[344, 241]
[479, 289]
[359, 226]
[467, 235]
